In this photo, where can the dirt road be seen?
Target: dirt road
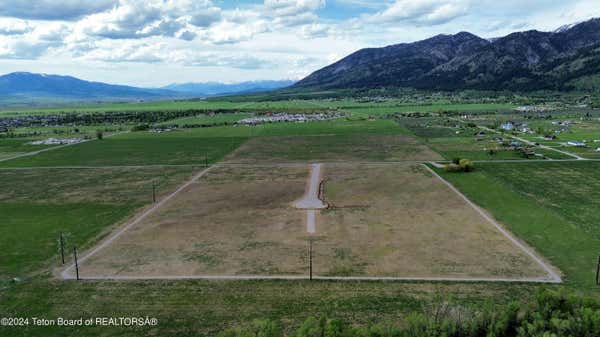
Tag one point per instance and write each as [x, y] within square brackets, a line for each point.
[311, 198]
[311, 202]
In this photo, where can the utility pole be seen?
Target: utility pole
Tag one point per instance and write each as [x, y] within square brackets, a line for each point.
[76, 264]
[62, 247]
[310, 258]
[153, 191]
[598, 272]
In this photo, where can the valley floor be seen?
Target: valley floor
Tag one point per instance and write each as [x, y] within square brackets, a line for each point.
[219, 202]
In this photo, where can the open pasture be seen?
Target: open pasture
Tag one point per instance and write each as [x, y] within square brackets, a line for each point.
[384, 221]
[15, 146]
[136, 148]
[331, 148]
[38, 204]
[550, 205]
[401, 220]
[233, 221]
[208, 105]
[198, 146]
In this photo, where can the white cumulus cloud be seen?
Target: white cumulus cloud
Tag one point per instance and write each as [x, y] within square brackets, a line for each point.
[53, 9]
[424, 12]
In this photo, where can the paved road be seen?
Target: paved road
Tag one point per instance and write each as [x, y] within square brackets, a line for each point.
[311, 198]
[311, 222]
[311, 202]
[67, 273]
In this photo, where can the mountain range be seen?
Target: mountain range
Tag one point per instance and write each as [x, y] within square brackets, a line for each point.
[566, 59]
[216, 88]
[23, 88]
[23, 84]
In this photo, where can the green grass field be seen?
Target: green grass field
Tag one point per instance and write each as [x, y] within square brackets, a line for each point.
[13, 145]
[203, 308]
[192, 146]
[37, 204]
[135, 149]
[548, 205]
[131, 107]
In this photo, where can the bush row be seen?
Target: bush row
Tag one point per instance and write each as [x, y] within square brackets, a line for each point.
[552, 314]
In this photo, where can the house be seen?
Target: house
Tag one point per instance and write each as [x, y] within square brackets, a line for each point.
[526, 129]
[508, 126]
[516, 144]
[576, 144]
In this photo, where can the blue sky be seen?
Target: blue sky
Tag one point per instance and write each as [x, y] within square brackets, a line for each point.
[157, 42]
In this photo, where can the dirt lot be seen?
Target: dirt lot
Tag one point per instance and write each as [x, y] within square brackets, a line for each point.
[399, 220]
[384, 220]
[234, 221]
[331, 148]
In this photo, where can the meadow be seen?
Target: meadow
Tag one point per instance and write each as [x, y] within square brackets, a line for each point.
[38, 204]
[548, 205]
[135, 149]
[400, 220]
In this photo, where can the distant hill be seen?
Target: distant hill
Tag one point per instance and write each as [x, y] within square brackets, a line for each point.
[216, 88]
[29, 86]
[25, 89]
[568, 58]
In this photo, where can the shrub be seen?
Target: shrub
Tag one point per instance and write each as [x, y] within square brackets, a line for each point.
[312, 327]
[99, 134]
[466, 165]
[550, 314]
[463, 165]
[259, 328]
[452, 168]
[140, 127]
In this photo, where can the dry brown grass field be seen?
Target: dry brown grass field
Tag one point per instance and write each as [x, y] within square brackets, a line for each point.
[233, 221]
[388, 220]
[400, 220]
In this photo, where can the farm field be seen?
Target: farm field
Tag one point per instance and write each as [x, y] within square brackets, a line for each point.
[131, 107]
[38, 204]
[135, 149]
[208, 119]
[331, 148]
[13, 147]
[549, 205]
[370, 110]
[192, 146]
